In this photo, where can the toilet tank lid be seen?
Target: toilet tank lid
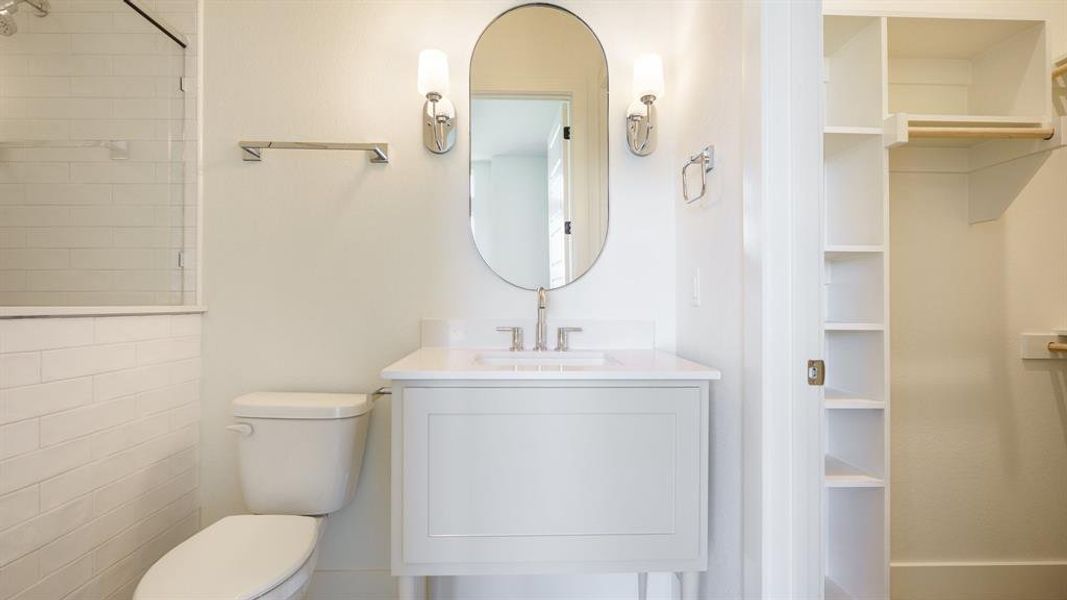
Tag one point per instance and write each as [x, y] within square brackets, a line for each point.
[301, 405]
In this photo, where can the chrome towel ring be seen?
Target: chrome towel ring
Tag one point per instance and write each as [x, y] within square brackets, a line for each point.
[706, 159]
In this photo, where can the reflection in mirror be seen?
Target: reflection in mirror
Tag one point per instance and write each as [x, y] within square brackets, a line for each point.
[539, 154]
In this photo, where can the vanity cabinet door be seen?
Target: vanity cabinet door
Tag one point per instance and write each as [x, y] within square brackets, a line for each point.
[538, 476]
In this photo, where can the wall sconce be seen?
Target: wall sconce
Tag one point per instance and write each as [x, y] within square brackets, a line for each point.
[438, 113]
[641, 115]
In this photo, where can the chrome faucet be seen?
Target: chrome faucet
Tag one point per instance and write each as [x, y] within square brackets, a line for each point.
[542, 327]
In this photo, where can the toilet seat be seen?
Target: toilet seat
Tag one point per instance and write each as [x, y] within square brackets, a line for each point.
[239, 557]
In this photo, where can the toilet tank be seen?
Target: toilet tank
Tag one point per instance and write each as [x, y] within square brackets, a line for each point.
[300, 453]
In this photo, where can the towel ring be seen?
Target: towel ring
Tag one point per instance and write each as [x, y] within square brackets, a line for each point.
[706, 159]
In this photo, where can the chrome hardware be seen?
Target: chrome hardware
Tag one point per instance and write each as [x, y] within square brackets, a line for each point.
[641, 126]
[439, 124]
[516, 337]
[253, 151]
[706, 159]
[542, 327]
[563, 338]
[242, 429]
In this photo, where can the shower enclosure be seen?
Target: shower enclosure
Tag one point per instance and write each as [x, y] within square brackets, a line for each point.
[97, 154]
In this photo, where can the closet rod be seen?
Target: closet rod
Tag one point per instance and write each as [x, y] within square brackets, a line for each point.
[1060, 70]
[1003, 133]
[1057, 347]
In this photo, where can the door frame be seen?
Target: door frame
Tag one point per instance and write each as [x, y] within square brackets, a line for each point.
[784, 546]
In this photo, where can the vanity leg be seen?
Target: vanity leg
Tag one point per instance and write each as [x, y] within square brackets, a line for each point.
[690, 585]
[642, 586]
[411, 588]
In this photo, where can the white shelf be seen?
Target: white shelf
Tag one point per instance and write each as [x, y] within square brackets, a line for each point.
[844, 250]
[833, 326]
[841, 130]
[935, 120]
[834, 399]
[840, 474]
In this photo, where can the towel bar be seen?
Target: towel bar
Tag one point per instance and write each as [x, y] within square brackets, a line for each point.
[253, 151]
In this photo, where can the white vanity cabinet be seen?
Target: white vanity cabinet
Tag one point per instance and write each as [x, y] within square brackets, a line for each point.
[548, 471]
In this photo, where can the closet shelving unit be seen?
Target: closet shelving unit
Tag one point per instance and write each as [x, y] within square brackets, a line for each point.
[970, 96]
[855, 315]
[927, 94]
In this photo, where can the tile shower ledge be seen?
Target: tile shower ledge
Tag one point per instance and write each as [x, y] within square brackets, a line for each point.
[437, 364]
[18, 312]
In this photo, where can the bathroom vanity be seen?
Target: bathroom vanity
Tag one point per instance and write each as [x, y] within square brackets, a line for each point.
[587, 460]
[548, 462]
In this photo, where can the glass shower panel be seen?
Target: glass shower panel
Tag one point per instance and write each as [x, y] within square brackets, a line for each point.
[97, 197]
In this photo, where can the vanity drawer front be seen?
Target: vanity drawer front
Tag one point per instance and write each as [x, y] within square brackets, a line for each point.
[536, 474]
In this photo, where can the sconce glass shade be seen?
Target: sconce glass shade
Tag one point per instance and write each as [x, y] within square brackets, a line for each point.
[637, 109]
[433, 72]
[648, 76]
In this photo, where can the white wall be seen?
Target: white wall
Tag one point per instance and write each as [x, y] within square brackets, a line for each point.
[979, 460]
[98, 451]
[76, 227]
[321, 265]
[706, 109]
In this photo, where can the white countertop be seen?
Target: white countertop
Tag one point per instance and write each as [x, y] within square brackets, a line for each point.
[434, 363]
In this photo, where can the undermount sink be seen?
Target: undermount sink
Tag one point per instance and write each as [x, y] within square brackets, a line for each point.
[544, 358]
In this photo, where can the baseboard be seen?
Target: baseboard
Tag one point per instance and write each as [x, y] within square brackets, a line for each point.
[979, 580]
[379, 585]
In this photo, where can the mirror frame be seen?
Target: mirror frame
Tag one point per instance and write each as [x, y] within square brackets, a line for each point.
[607, 142]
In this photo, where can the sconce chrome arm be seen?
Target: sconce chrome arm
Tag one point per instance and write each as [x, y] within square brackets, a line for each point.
[641, 128]
[439, 132]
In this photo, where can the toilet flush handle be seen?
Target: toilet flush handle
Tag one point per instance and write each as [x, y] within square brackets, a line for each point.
[242, 428]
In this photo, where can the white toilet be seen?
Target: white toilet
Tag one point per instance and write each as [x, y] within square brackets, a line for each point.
[300, 457]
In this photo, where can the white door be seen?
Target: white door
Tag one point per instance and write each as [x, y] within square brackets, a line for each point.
[560, 246]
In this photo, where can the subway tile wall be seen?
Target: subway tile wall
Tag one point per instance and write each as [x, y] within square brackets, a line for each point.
[99, 426]
[79, 225]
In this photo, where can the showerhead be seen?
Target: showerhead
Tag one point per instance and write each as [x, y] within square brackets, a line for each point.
[8, 8]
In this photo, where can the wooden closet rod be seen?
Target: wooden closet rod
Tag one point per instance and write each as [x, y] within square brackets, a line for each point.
[1060, 70]
[1003, 133]
[1057, 347]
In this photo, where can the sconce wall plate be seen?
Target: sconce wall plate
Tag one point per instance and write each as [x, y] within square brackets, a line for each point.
[641, 127]
[438, 125]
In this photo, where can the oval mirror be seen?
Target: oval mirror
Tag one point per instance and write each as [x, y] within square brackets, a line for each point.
[539, 146]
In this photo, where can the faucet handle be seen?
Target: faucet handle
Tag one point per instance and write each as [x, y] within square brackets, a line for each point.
[563, 342]
[516, 337]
